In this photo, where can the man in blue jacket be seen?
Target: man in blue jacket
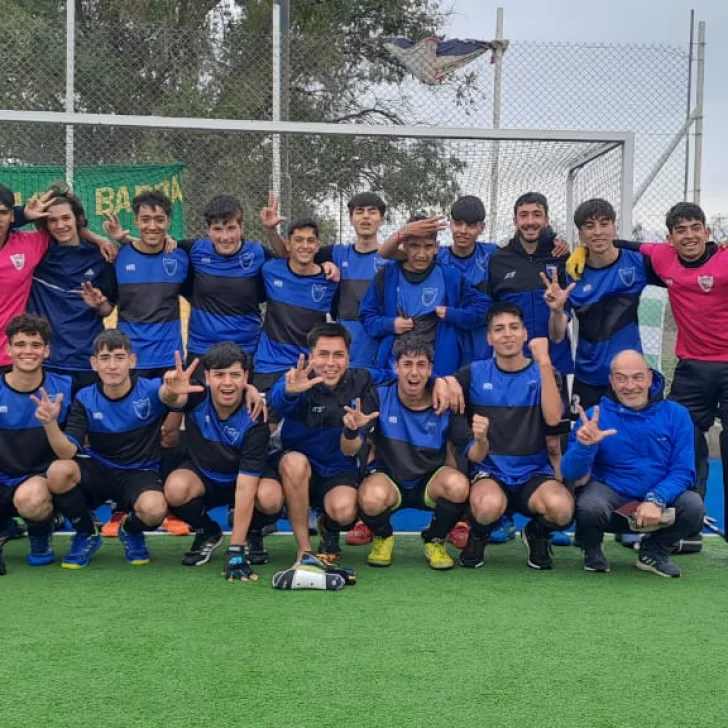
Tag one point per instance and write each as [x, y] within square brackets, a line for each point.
[422, 296]
[634, 446]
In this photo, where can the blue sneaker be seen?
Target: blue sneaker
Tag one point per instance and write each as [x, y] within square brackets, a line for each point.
[505, 531]
[135, 548]
[83, 547]
[41, 551]
[560, 538]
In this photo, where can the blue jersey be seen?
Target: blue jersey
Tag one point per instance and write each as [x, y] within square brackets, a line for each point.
[122, 433]
[149, 285]
[24, 448]
[56, 295]
[223, 449]
[474, 269]
[605, 302]
[357, 271]
[227, 292]
[517, 434]
[411, 445]
[295, 304]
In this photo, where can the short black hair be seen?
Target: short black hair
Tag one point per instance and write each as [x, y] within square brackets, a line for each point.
[111, 340]
[532, 198]
[303, 222]
[683, 211]
[74, 202]
[28, 323]
[594, 209]
[7, 197]
[221, 209]
[412, 344]
[223, 355]
[328, 330]
[152, 198]
[502, 307]
[469, 209]
[366, 199]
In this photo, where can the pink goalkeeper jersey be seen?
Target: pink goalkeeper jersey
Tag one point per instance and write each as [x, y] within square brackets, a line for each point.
[19, 258]
[699, 300]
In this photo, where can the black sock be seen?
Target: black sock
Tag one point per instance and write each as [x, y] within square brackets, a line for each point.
[194, 514]
[261, 520]
[447, 514]
[478, 530]
[133, 524]
[73, 506]
[543, 527]
[39, 528]
[380, 525]
[331, 525]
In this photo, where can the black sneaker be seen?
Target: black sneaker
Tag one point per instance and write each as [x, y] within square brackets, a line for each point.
[595, 560]
[538, 546]
[255, 552]
[657, 563]
[202, 548]
[328, 540]
[692, 544]
[473, 555]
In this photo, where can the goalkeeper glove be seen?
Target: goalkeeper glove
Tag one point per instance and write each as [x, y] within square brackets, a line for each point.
[576, 263]
[236, 567]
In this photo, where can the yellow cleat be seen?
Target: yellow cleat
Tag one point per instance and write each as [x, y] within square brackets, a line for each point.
[576, 263]
[382, 550]
[437, 556]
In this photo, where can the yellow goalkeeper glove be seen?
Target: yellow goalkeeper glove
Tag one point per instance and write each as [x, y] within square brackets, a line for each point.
[576, 263]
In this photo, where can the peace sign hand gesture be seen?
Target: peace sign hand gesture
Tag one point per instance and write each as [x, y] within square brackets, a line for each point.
[556, 296]
[355, 419]
[589, 433]
[48, 410]
[92, 296]
[269, 216]
[298, 380]
[177, 380]
[112, 227]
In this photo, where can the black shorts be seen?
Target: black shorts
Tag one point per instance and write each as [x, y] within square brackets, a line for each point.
[702, 388]
[586, 395]
[564, 427]
[519, 496]
[7, 507]
[79, 379]
[100, 483]
[413, 495]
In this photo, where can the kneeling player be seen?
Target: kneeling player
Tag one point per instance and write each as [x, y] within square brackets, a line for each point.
[410, 468]
[122, 417]
[226, 451]
[319, 462]
[24, 450]
[511, 401]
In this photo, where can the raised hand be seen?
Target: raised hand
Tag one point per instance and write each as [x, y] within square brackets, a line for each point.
[37, 205]
[355, 419]
[299, 379]
[589, 433]
[92, 296]
[269, 217]
[480, 427]
[178, 380]
[540, 349]
[48, 409]
[424, 228]
[556, 296]
[112, 227]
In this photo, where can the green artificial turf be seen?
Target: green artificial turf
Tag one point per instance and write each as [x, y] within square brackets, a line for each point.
[164, 645]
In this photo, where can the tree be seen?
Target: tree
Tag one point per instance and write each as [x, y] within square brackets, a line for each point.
[211, 58]
[719, 226]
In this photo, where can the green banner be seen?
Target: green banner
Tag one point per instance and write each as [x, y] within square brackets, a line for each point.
[105, 188]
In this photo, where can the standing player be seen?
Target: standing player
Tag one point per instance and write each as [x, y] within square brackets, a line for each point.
[226, 451]
[319, 462]
[122, 417]
[510, 401]
[411, 469]
[24, 450]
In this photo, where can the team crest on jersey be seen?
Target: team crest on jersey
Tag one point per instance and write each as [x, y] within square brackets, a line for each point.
[627, 276]
[170, 266]
[429, 295]
[317, 292]
[431, 426]
[705, 283]
[18, 260]
[246, 260]
[379, 263]
[587, 288]
[232, 434]
[142, 408]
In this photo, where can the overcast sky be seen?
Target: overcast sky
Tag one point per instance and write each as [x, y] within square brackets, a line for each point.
[625, 21]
